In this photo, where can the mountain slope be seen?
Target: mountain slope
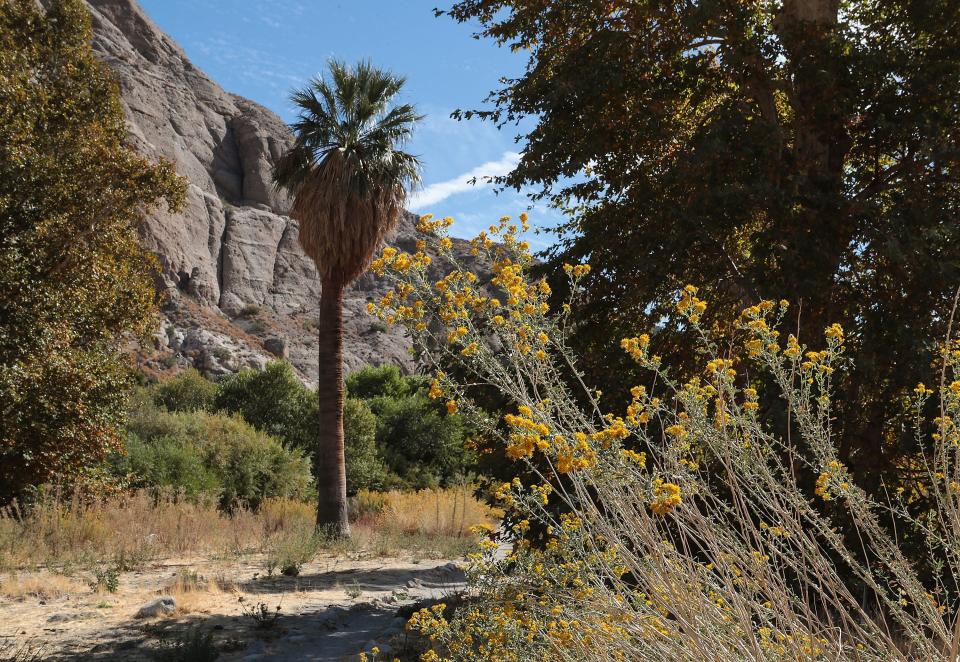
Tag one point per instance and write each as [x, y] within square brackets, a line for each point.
[239, 287]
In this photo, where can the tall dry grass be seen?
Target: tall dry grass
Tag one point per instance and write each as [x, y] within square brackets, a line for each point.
[133, 529]
[448, 512]
[129, 530]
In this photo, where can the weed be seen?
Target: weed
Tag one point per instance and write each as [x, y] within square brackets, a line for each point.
[106, 579]
[46, 586]
[264, 617]
[193, 646]
[222, 353]
[250, 310]
[11, 651]
[270, 564]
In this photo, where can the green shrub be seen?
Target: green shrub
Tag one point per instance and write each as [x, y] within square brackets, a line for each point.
[365, 468]
[188, 391]
[198, 452]
[420, 442]
[273, 400]
[168, 462]
[385, 380]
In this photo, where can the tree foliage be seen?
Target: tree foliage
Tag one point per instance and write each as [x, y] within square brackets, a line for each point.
[73, 277]
[199, 452]
[421, 443]
[365, 467]
[273, 400]
[807, 150]
[186, 392]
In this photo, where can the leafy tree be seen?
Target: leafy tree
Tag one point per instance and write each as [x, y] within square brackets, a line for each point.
[273, 400]
[73, 277]
[804, 149]
[420, 442]
[187, 391]
[349, 180]
[365, 468]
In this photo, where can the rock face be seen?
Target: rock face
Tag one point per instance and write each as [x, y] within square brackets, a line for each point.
[240, 290]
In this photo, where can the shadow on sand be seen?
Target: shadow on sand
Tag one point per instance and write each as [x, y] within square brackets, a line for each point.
[328, 632]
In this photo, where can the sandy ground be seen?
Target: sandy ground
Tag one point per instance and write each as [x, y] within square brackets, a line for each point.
[335, 609]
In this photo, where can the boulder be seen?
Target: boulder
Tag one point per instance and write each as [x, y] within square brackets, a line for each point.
[162, 606]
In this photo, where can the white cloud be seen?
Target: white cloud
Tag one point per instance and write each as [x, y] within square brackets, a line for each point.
[435, 193]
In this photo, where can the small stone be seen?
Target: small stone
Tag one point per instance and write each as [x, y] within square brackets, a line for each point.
[162, 606]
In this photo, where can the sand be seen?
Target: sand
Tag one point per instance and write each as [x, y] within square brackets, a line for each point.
[333, 610]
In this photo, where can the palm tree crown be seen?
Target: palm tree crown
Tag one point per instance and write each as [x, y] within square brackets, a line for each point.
[346, 170]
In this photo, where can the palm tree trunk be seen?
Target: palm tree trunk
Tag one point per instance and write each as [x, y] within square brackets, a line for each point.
[331, 469]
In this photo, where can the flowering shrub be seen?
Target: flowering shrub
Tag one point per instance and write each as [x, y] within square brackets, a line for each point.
[683, 529]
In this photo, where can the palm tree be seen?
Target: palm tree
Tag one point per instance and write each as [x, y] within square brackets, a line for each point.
[349, 180]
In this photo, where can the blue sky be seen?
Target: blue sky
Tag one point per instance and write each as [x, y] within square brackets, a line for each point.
[262, 49]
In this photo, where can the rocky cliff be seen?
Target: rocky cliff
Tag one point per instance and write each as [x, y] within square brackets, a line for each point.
[239, 289]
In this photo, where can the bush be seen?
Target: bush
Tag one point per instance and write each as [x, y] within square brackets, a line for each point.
[276, 401]
[420, 442]
[380, 381]
[273, 400]
[187, 391]
[198, 451]
[684, 527]
[168, 462]
[365, 469]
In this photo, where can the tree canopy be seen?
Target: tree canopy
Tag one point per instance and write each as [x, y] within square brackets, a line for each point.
[74, 280]
[805, 150]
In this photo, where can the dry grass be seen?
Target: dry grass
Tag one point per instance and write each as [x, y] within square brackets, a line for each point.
[450, 512]
[128, 532]
[46, 586]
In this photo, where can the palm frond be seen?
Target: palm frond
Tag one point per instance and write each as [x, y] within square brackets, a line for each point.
[346, 169]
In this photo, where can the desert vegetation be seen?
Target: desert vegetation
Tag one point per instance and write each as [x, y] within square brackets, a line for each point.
[715, 419]
[683, 525]
[73, 538]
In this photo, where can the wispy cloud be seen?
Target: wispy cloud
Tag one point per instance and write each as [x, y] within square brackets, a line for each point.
[435, 193]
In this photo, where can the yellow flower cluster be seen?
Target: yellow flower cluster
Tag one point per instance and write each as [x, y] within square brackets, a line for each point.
[834, 332]
[689, 305]
[636, 347]
[427, 225]
[834, 477]
[528, 435]
[576, 456]
[666, 497]
[398, 261]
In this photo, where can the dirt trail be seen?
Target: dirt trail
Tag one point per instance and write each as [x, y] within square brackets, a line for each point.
[335, 609]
